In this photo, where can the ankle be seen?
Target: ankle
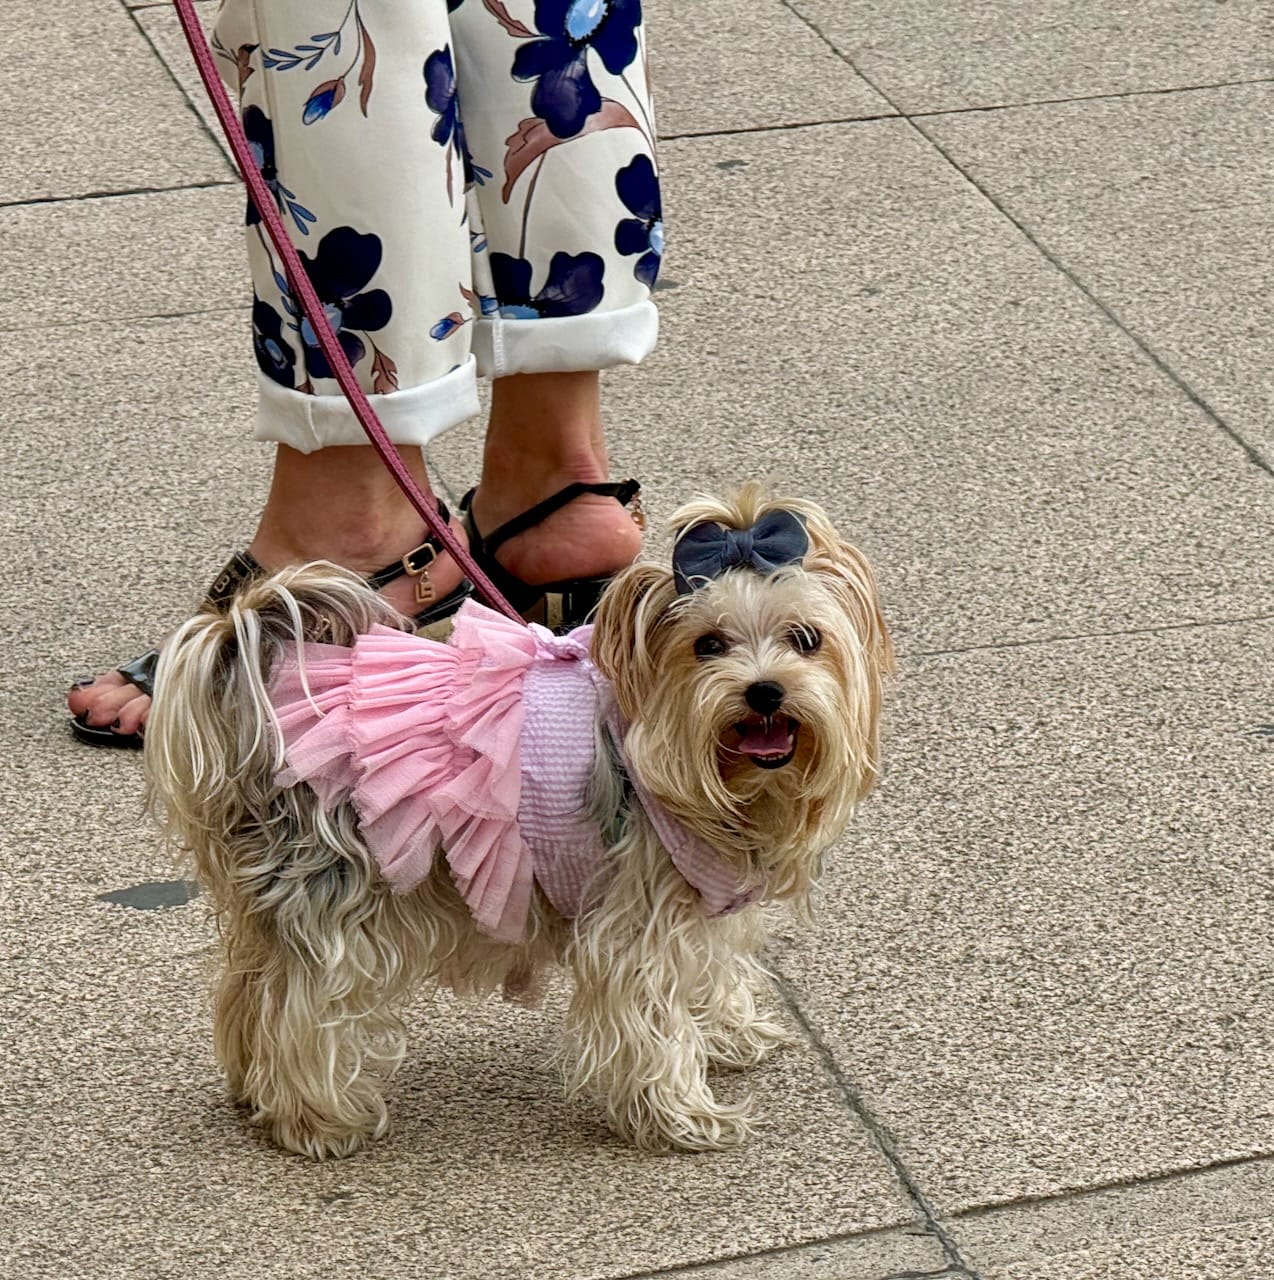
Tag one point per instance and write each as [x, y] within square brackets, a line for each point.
[364, 545]
[338, 504]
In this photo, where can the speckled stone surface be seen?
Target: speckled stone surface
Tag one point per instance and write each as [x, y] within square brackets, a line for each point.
[101, 261]
[91, 110]
[747, 64]
[1172, 228]
[1041, 960]
[159, 24]
[932, 55]
[877, 1255]
[1213, 1224]
[1014, 463]
[1052, 928]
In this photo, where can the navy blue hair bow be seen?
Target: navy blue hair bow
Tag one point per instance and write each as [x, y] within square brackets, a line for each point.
[706, 551]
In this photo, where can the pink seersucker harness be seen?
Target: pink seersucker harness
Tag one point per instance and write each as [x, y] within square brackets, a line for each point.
[482, 748]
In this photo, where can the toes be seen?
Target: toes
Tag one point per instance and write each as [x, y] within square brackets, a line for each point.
[132, 715]
[106, 707]
[84, 695]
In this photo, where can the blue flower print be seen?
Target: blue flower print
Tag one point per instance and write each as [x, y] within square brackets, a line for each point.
[273, 353]
[573, 287]
[260, 134]
[637, 186]
[440, 94]
[565, 95]
[331, 93]
[326, 97]
[447, 326]
[346, 260]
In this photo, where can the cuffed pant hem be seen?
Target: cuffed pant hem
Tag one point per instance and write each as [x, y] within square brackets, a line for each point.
[566, 344]
[414, 416]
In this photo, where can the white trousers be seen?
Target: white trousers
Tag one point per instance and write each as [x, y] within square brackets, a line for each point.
[471, 185]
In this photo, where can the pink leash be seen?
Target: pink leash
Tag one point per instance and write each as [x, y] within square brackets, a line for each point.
[301, 288]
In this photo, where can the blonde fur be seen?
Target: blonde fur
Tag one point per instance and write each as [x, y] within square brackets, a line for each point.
[318, 953]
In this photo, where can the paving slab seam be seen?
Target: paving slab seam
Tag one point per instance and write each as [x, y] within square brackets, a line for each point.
[1254, 455]
[191, 105]
[899, 114]
[925, 1275]
[1166, 1178]
[137, 317]
[706, 1269]
[879, 1135]
[1083, 97]
[1151, 629]
[121, 192]
[728, 1261]
[783, 126]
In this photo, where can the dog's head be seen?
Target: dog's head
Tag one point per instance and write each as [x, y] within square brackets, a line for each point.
[750, 670]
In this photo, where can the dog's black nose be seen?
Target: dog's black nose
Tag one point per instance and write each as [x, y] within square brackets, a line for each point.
[765, 697]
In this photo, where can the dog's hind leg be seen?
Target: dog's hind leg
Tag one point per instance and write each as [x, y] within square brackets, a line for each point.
[317, 951]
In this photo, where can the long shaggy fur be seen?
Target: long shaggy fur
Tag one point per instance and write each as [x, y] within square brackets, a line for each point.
[318, 953]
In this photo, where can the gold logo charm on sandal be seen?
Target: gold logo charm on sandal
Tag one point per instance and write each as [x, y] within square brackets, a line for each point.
[637, 511]
[416, 564]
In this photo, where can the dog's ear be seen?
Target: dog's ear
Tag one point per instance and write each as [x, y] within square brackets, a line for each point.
[849, 576]
[854, 581]
[629, 629]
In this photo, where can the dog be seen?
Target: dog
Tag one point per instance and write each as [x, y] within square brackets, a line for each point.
[370, 810]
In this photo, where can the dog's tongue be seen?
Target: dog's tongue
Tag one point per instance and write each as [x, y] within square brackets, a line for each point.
[766, 737]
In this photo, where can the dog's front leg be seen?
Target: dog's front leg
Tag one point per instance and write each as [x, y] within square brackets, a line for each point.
[641, 961]
[736, 995]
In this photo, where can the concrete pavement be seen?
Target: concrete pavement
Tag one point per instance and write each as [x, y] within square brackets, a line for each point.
[989, 279]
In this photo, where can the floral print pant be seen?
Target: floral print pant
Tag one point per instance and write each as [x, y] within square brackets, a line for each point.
[471, 185]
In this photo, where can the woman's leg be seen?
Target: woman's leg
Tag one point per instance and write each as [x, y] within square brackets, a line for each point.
[333, 102]
[358, 128]
[557, 128]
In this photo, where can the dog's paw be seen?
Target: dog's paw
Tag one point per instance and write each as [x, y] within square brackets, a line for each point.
[666, 1124]
[742, 1047]
[321, 1139]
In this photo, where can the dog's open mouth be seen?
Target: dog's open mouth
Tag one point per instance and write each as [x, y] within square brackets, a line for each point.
[768, 741]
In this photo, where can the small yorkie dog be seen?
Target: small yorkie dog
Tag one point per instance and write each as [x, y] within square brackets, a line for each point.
[370, 810]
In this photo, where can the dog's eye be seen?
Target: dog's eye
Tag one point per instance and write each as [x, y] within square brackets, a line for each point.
[710, 646]
[805, 639]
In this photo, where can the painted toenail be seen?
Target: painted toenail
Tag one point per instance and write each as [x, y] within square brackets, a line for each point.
[83, 682]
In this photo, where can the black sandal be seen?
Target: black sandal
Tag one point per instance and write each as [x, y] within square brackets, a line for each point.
[242, 569]
[561, 605]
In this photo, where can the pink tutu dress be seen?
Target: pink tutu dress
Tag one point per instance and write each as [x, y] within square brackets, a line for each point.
[481, 748]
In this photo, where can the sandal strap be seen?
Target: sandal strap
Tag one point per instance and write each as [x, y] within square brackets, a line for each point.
[416, 561]
[237, 572]
[141, 671]
[243, 568]
[623, 492]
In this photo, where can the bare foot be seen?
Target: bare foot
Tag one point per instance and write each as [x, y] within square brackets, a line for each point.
[337, 504]
[545, 433]
[109, 700]
[591, 537]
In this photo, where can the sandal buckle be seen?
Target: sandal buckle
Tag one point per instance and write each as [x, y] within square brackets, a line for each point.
[416, 565]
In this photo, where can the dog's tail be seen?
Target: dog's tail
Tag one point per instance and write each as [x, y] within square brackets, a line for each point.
[212, 748]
